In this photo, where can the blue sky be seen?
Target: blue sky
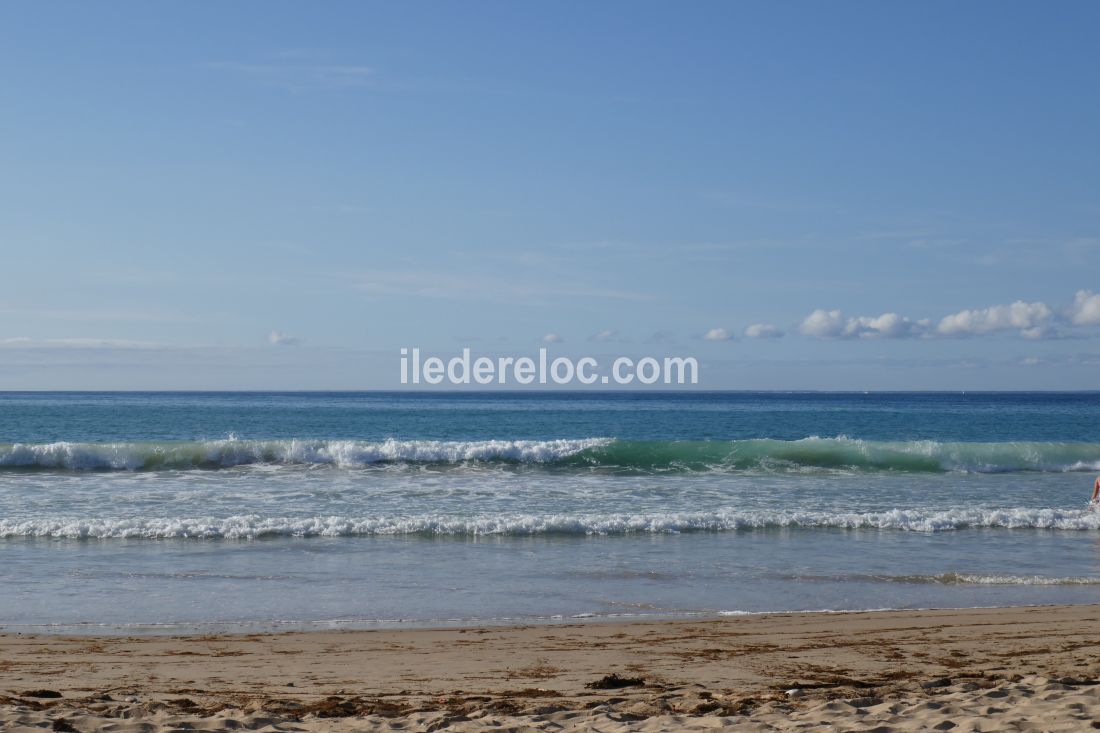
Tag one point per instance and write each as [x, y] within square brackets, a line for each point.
[180, 180]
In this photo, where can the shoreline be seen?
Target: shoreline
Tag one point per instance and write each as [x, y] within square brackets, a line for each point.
[246, 629]
[872, 667]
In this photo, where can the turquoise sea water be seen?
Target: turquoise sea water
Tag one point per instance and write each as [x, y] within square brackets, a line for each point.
[169, 511]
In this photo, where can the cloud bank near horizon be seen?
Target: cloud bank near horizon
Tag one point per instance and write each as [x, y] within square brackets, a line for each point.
[1035, 320]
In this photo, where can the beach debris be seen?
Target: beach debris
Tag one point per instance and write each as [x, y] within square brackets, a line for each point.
[184, 703]
[615, 682]
[531, 692]
[334, 706]
[503, 706]
[707, 706]
[1076, 681]
[53, 694]
[63, 726]
[795, 692]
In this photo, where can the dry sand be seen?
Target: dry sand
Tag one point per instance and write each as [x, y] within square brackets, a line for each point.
[985, 669]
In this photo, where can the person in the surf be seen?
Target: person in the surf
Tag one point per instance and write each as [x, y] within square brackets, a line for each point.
[1095, 500]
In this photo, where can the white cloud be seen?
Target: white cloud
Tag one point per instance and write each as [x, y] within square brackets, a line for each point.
[608, 334]
[552, 338]
[834, 325]
[823, 324]
[1039, 332]
[718, 334]
[1032, 320]
[763, 331]
[1085, 310]
[891, 325]
[278, 338]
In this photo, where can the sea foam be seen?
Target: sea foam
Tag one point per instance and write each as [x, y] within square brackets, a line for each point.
[519, 524]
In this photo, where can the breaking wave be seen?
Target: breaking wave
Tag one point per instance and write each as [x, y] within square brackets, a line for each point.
[518, 524]
[953, 578]
[588, 453]
[980, 579]
[168, 455]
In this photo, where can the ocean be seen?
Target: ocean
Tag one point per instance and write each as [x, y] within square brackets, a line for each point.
[177, 512]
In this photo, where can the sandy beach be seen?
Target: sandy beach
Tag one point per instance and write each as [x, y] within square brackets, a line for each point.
[1033, 668]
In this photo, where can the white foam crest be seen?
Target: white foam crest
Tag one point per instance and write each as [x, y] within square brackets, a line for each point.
[74, 456]
[954, 578]
[517, 524]
[235, 452]
[973, 579]
[355, 453]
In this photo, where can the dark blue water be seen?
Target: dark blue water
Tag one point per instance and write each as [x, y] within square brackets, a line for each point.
[43, 417]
